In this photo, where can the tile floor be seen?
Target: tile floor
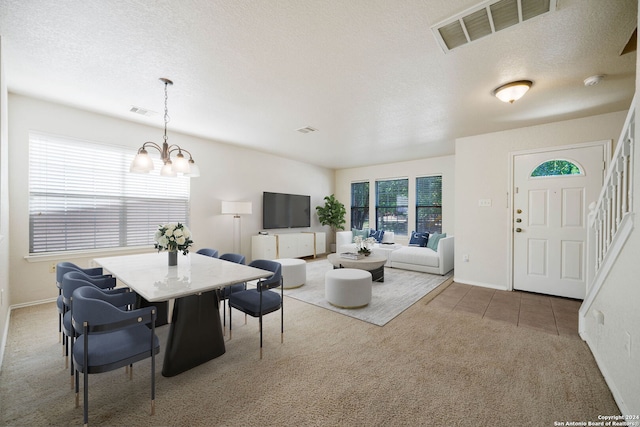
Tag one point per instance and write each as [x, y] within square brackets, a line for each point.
[555, 315]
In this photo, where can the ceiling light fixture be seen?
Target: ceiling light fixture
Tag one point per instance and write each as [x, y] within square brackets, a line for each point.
[593, 80]
[512, 91]
[142, 163]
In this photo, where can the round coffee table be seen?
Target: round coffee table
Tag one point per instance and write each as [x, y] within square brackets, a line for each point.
[372, 263]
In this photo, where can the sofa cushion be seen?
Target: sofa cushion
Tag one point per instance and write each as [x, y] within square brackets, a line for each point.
[416, 255]
[419, 239]
[434, 239]
[377, 234]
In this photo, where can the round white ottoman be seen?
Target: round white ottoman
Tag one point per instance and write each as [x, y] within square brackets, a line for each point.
[294, 272]
[348, 287]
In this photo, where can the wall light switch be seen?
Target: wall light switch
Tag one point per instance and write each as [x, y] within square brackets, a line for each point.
[484, 203]
[627, 343]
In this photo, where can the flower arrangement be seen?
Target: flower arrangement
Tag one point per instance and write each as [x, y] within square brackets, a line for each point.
[173, 237]
[364, 245]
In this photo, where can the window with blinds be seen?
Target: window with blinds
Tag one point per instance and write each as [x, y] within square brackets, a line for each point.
[359, 205]
[392, 205]
[82, 196]
[429, 204]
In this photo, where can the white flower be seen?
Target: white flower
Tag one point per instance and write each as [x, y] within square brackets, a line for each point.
[173, 237]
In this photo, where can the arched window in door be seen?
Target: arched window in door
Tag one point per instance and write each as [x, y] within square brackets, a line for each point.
[557, 167]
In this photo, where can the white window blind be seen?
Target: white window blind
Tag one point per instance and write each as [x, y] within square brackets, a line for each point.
[82, 196]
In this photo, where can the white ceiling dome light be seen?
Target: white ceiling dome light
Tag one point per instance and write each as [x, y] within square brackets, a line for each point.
[513, 91]
[593, 80]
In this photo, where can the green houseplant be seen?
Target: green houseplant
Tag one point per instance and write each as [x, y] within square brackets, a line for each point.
[332, 214]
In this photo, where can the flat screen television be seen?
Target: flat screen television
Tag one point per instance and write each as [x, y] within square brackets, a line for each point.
[281, 210]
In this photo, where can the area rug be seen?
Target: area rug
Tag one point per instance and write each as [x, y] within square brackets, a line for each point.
[399, 291]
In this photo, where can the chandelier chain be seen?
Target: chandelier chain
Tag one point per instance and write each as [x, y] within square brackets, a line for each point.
[166, 110]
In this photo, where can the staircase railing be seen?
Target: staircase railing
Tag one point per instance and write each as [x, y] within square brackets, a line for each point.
[611, 217]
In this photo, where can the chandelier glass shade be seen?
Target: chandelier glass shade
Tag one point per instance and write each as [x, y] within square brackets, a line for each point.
[513, 91]
[142, 162]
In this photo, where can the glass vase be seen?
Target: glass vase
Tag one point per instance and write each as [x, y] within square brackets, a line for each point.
[173, 258]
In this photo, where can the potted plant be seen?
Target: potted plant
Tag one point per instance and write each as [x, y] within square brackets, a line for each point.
[332, 214]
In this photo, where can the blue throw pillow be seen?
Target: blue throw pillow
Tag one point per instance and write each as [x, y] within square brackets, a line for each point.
[434, 239]
[418, 239]
[425, 240]
[376, 234]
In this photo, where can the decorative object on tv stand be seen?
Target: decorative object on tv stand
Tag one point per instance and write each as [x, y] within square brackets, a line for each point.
[332, 214]
[173, 237]
[513, 91]
[364, 245]
[142, 163]
[236, 209]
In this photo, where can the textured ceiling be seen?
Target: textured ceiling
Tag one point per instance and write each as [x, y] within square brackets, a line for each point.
[368, 74]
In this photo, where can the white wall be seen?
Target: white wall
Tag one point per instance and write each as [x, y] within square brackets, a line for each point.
[444, 166]
[228, 173]
[5, 293]
[482, 172]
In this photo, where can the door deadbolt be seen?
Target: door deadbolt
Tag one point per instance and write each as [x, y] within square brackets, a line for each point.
[518, 219]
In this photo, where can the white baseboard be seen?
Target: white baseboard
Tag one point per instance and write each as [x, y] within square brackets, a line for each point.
[32, 303]
[5, 332]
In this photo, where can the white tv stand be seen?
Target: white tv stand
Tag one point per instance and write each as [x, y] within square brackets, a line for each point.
[288, 245]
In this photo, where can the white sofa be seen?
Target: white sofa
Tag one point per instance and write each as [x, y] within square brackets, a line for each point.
[406, 257]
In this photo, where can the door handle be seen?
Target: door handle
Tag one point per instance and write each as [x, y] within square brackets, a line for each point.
[518, 230]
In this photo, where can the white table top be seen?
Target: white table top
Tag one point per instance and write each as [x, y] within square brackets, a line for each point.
[370, 262]
[151, 277]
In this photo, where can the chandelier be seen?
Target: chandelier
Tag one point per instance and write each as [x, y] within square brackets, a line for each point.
[142, 163]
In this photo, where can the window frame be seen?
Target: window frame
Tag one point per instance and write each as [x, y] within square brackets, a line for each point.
[437, 228]
[360, 208]
[401, 210]
[573, 163]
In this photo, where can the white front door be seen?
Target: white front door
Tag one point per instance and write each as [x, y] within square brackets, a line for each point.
[550, 221]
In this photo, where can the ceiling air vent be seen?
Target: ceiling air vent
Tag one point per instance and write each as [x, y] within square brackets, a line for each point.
[142, 111]
[307, 129]
[487, 18]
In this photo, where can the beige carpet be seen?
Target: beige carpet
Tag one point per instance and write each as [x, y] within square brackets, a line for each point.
[426, 367]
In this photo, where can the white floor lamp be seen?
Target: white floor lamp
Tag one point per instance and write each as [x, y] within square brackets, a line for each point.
[236, 209]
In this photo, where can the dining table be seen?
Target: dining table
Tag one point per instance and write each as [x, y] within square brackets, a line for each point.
[195, 332]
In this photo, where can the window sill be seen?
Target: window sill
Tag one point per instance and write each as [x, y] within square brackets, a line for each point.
[93, 253]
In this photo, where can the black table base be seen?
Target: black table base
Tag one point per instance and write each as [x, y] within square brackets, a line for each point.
[162, 307]
[195, 334]
[377, 274]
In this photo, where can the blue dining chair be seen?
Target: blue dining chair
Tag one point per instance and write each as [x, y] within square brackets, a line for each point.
[70, 282]
[105, 281]
[223, 294]
[208, 252]
[110, 338]
[62, 268]
[258, 301]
